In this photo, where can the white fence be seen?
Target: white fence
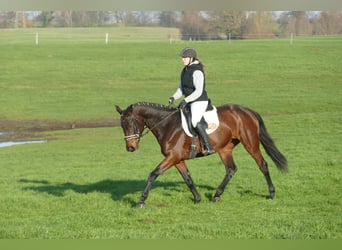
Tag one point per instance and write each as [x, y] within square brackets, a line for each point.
[112, 35]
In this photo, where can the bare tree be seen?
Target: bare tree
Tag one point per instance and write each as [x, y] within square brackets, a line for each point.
[193, 26]
[168, 19]
[117, 17]
[67, 18]
[144, 18]
[129, 18]
[295, 22]
[45, 18]
[227, 23]
[259, 24]
[7, 19]
[328, 23]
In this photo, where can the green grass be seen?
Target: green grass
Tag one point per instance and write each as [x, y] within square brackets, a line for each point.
[83, 184]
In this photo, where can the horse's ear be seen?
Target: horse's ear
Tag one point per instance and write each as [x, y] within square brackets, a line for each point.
[118, 109]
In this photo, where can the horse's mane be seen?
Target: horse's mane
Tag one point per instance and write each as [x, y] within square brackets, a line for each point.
[154, 105]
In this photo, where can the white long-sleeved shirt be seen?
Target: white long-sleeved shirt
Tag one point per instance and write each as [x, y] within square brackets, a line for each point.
[198, 80]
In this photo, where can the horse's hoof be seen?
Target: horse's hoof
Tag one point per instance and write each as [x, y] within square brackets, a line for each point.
[216, 198]
[197, 201]
[140, 204]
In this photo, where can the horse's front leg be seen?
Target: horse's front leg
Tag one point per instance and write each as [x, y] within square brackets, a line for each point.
[161, 168]
[227, 159]
[183, 170]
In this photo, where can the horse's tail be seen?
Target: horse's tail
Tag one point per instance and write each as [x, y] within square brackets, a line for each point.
[271, 149]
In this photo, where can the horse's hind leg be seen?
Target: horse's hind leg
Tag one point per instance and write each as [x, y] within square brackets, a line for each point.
[183, 170]
[227, 159]
[264, 169]
[257, 156]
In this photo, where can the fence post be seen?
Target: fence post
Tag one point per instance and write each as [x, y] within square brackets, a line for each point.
[291, 38]
[37, 39]
[107, 38]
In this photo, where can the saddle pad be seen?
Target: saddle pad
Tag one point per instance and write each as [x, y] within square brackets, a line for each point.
[210, 117]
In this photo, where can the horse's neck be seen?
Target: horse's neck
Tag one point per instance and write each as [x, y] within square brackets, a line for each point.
[154, 119]
[146, 115]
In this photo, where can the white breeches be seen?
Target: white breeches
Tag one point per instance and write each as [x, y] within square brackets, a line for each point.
[197, 111]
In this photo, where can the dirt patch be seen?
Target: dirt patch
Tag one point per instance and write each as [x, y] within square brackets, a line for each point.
[23, 129]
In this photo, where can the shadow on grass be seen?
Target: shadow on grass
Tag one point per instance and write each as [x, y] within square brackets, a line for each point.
[118, 189]
[247, 192]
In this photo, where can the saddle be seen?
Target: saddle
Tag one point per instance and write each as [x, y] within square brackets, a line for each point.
[209, 119]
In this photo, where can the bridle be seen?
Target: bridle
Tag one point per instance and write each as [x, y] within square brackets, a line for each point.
[137, 134]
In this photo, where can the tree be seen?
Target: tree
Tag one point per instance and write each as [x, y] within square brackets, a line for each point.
[45, 18]
[193, 26]
[7, 19]
[328, 23]
[168, 19]
[259, 24]
[103, 17]
[295, 22]
[144, 18]
[227, 23]
[129, 18]
[64, 18]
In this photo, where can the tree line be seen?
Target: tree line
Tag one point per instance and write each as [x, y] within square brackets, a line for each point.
[197, 25]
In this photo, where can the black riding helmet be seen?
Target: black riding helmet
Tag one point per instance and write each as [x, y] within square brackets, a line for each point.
[188, 52]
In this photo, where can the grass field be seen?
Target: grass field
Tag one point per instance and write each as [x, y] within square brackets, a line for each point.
[83, 184]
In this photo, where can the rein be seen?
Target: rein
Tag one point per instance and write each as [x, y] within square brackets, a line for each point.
[158, 123]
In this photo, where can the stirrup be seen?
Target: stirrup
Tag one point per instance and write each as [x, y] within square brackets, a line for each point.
[207, 150]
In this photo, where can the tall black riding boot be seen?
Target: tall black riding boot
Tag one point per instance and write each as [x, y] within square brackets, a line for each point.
[207, 148]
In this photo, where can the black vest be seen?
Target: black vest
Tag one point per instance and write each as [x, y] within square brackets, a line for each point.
[187, 83]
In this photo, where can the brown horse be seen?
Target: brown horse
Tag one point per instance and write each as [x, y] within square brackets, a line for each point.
[237, 124]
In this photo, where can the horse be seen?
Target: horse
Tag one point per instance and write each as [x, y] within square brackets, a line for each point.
[237, 124]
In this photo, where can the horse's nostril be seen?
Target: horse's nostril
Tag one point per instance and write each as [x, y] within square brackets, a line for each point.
[131, 149]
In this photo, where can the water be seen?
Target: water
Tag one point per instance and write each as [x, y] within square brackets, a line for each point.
[13, 143]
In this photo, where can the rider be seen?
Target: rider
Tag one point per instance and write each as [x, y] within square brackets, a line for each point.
[192, 87]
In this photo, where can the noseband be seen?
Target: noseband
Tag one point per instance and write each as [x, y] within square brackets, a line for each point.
[136, 134]
[131, 137]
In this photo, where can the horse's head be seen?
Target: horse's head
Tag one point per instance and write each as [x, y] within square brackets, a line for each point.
[131, 126]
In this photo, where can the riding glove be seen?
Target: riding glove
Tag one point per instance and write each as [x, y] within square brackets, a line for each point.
[182, 104]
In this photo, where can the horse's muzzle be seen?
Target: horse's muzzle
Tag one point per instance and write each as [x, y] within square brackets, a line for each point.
[131, 149]
[132, 144]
